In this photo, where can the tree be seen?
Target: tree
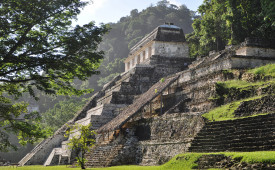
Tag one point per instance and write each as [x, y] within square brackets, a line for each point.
[229, 22]
[81, 141]
[41, 51]
[269, 10]
[163, 3]
[27, 127]
[62, 112]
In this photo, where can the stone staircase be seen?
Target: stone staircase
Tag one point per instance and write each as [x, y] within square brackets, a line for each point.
[133, 83]
[102, 156]
[40, 153]
[54, 154]
[115, 95]
[30, 154]
[247, 134]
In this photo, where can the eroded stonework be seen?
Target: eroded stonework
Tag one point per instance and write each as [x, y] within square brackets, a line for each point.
[152, 111]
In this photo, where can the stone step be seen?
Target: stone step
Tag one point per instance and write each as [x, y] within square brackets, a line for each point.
[102, 156]
[234, 136]
[243, 137]
[248, 134]
[211, 128]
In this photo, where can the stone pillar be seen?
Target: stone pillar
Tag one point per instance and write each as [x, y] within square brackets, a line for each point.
[138, 59]
[143, 55]
[149, 52]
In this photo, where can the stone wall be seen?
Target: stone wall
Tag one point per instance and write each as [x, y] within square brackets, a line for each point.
[265, 104]
[171, 49]
[256, 51]
[165, 65]
[161, 138]
[152, 141]
[248, 62]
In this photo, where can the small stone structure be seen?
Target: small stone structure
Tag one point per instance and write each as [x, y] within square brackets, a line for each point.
[152, 111]
[165, 40]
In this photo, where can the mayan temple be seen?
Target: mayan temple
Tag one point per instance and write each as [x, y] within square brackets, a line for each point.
[154, 110]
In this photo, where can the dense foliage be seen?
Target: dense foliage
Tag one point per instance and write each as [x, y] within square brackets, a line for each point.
[62, 112]
[227, 22]
[41, 51]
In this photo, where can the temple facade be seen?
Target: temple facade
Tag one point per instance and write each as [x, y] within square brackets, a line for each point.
[166, 40]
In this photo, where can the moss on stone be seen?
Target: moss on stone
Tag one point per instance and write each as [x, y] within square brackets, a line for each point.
[225, 112]
[267, 70]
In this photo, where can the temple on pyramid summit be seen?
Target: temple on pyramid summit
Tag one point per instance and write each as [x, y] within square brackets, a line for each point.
[155, 109]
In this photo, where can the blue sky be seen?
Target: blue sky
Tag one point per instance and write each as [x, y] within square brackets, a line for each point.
[104, 11]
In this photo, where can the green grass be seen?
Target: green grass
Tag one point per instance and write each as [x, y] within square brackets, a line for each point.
[38, 167]
[240, 84]
[267, 157]
[223, 88]
[267, 70]
[182, 161]
[228, 89]
[225, 112]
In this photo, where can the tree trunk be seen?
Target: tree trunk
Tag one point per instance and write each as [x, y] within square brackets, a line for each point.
[83, 162]
[234, 22]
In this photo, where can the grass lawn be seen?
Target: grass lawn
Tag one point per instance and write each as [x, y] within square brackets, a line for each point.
[182, 161]
[38, 167]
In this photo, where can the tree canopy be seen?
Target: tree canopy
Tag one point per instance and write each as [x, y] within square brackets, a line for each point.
[227, 22]
[62, 112]
[41, 51]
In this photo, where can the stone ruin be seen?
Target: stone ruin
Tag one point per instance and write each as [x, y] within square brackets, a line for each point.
[152, 111]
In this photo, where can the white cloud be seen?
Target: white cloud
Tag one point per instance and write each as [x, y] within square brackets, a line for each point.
[175, 2]
[93, 7]
[89, 11]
